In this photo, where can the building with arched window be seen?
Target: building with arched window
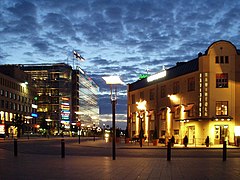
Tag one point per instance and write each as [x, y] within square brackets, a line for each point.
[198, 98]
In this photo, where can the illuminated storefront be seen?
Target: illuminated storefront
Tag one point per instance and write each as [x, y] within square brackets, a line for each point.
[198, 98]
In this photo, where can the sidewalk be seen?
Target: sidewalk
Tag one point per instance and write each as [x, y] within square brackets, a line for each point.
[36, 166]
[40, 167]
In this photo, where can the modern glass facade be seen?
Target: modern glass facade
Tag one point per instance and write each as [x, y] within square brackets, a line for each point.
[53, 83]
[88, 100]
[64, 96]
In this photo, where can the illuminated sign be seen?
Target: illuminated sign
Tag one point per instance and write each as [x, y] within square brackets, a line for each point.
[157, 76]
[2, 129]
[237, 130]
[34, 115]
[34, 106]
[65, 109]
[143, 76]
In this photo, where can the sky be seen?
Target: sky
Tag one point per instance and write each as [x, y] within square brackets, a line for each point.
[116, 37]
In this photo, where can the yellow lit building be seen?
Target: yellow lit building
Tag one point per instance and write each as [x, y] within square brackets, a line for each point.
[198, 98]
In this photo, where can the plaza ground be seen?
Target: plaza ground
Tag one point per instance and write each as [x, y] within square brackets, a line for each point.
[36, 166]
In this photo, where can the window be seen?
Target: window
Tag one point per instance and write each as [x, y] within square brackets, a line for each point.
[176, 87]
[221, 59]
[191, 84]
[133, 99]
[163, 115]
[177, 112]
[226, 60]
[221, 108]
[176, 131]
[142, 95]
[6, 93]
[222, 80]
[2, 92]
[217, 59]
[163, 91]
[152, 94]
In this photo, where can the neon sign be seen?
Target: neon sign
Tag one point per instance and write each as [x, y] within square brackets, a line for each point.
[65, 108]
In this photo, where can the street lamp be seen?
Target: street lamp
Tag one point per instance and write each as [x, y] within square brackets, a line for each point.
[113, 81]
[141, 106]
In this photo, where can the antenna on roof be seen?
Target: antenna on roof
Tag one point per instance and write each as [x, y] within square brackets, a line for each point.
[163, 67]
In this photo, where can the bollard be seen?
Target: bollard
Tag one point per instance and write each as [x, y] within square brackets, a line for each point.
[169, 151]
[63, 148]
[15, 147]
[224, 150]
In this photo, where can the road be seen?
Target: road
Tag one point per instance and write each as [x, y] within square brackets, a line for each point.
[88, 147]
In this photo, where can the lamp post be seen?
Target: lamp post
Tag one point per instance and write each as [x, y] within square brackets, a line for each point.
[113, 81]
[141, 106]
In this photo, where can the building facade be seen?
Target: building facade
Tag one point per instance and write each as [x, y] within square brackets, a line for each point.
[53, 84]
[17, 104]
[85, 99]
[198, 98]
[59, 98]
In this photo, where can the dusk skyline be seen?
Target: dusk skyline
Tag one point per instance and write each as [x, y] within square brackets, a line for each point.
[125, 38]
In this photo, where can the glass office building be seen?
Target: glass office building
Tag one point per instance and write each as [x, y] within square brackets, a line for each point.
[64, 96]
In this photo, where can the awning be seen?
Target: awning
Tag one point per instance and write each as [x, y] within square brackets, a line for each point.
[188, 107]
[173, 109]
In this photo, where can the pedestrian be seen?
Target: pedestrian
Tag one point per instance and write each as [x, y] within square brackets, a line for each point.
[185, 141]
[207, 141]
[172, 141]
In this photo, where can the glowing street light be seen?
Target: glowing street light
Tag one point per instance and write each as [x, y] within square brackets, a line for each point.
[113, 81]
[141, 106]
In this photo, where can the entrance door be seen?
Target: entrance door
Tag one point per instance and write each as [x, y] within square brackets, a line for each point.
[191, 134]
[221, 134]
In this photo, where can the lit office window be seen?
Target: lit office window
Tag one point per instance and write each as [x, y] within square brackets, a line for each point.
[221, 108]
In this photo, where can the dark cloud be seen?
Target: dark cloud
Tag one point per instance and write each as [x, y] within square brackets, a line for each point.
[24, 8]
[124, 37]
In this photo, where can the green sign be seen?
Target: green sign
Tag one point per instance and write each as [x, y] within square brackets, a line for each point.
[143, 76]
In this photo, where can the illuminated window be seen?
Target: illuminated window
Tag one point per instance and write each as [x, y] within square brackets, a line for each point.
[134, 117]
[222, 80]
[176, 87]
[163, 91]
[221, 108]
[191, 84]
[163, 115]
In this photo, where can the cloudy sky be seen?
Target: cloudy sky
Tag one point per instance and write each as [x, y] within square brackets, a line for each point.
[116, 37]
